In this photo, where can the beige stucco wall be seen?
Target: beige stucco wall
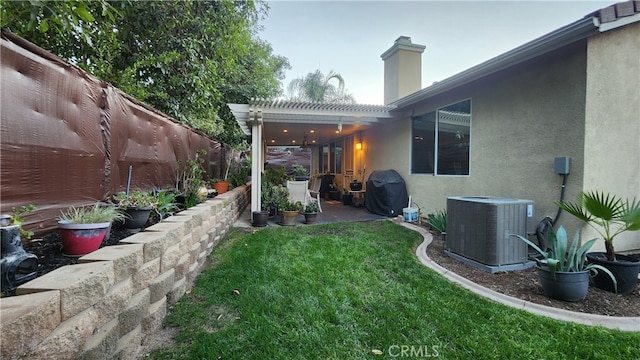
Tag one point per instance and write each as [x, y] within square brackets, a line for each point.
[612, 116]
[521, 120]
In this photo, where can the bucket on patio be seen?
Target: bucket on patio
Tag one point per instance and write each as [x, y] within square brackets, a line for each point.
[410, 214]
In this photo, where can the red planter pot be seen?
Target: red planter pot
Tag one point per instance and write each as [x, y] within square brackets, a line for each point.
[81, 239]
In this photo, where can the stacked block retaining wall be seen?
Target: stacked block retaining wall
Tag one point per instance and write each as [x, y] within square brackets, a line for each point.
[104, 306]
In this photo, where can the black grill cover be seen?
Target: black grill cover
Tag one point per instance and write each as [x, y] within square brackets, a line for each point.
[386, 193]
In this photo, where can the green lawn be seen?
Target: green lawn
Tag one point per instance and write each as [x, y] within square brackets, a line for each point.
[357, 291]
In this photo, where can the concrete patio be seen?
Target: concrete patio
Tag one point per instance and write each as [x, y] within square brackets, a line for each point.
[332, 211]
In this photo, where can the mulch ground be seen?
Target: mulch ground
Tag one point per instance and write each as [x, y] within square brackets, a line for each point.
[524, 285]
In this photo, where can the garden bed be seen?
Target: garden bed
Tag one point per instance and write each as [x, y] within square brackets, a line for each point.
[519, 284]
[524, 285]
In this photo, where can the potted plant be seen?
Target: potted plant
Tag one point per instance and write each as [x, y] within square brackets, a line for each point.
[222, 185]
[190, 181]
[299, 172]
[311, 212]
[563, 271]
[355, 185]
[609, 215]
[347, 198]
[279, 194]
[137, 205]
[165, 205]
[334, 193]
[289, 211]
[83, 229]
[260, 217]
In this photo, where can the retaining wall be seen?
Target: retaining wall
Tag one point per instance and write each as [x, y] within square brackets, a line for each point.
[103, 307]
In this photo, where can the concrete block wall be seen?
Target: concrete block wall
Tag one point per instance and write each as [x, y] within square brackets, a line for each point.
[104, 306]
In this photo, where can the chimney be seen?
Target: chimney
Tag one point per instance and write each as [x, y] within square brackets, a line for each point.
[402, 69]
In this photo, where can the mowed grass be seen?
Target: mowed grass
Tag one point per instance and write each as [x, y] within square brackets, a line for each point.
[357, 291]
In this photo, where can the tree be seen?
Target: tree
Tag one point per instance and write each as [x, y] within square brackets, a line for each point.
[316, 87]
[79, 31]
[185, 58]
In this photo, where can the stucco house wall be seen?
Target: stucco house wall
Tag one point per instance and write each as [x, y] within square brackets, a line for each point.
[522, 118]
[576, 101]
[612, 117]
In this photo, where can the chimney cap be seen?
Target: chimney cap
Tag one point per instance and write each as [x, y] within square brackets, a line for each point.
[403, 40]
[402, 43]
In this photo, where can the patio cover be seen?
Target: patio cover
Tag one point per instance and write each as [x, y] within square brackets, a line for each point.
[289, 123]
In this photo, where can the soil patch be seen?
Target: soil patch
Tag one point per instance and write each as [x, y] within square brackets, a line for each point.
[524, 285]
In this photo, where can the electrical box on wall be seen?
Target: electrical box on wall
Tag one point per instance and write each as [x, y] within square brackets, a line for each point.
[561, 165]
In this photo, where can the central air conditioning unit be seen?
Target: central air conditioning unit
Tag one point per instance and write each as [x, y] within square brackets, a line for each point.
[479, 230]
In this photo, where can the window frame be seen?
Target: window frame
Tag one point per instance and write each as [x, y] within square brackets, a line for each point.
[436, 140]
[331, 157]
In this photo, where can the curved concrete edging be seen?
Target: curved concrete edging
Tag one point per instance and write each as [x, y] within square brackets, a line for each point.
[609, 322]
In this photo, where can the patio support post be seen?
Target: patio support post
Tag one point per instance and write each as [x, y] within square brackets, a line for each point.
[257, 160]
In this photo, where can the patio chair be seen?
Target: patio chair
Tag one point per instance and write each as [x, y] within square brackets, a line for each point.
[314, 191]
[299, 191]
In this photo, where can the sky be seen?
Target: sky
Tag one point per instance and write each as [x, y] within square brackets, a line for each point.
[348, 37]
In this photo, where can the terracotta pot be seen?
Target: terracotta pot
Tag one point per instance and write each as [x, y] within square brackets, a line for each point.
[221, 186]
[289, 217]
[81, 239]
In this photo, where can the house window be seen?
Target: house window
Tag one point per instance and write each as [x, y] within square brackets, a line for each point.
[336, 157]
[331, 157]
[440, 140]
[324, 159]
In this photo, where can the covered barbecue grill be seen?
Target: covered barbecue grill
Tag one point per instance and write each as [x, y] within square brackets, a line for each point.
[386, 193]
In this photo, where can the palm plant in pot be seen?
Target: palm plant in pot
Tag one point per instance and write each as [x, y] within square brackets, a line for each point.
[609, 215]
[563, 271]
[83, 228]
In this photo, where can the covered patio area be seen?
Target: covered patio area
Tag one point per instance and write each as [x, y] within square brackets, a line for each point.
[332, 132]
[333, 211]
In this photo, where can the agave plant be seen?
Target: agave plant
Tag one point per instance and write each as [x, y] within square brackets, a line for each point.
[607, 214]
[563, 257]
[438, 221]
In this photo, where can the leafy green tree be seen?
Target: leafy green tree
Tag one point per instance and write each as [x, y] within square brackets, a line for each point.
[186, 58]
[316, 87]
[79, 31]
